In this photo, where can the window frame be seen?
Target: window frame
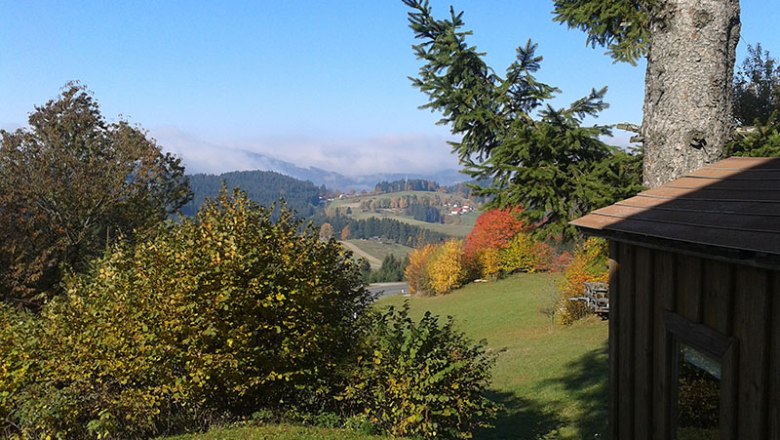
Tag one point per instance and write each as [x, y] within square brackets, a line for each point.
[714, 344]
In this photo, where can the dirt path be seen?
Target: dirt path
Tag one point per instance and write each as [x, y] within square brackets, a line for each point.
[373, 261]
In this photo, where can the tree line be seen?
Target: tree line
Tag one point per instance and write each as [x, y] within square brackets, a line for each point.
[426, 209]
[383, 228]
[406, 185]
[264, 187]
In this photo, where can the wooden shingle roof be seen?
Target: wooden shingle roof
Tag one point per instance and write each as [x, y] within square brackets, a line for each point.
[732, 204]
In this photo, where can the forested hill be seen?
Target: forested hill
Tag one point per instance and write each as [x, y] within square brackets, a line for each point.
[263, 187]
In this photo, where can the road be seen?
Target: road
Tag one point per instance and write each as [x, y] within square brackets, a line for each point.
[389, 289]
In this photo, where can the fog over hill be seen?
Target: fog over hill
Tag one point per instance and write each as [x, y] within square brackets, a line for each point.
[342, 163]
[335, 181]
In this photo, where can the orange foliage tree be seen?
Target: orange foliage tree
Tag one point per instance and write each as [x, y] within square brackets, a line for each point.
[345, 233]
[416, 273]
[493, 231]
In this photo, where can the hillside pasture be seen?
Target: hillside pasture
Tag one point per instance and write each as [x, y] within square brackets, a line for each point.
[376, 250]
[551, 378]
[454, 225]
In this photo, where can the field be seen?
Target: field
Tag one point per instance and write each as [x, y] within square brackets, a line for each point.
[456, 226]
[551, 379]
[375, 250]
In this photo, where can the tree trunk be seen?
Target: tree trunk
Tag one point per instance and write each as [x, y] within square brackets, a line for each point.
[687, 108]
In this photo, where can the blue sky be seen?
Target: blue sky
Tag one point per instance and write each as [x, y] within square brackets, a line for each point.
[313, 82]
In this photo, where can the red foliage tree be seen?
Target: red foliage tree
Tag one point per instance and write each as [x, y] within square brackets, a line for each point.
[494, 229]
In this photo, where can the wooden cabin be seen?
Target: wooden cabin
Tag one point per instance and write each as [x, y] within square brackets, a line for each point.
[694, 330]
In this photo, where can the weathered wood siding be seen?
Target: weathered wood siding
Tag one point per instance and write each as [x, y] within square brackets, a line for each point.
[735, 300]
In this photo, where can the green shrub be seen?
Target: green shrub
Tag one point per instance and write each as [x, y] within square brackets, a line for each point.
[360, 423]
[421, 379]
[219, 315]
[525, 254]
[19, 364]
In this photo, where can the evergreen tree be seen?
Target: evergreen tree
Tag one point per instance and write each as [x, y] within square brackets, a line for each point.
[550, 164]
[392, 270]
[365, 269]
[690, 47]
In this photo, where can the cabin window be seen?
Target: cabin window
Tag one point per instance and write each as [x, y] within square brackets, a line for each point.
[701, 365]
[698, 394]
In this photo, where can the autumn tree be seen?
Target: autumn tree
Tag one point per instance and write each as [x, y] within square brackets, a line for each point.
[690, 46]
[416, 272]
[326, 231]
[494, 228]
[493, 231]
[72, 183]
[534, 155]
[345, 233]
[524, 254]
[445, 269]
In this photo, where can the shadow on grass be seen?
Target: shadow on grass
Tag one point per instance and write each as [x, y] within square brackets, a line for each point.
[521, 419]
[584, 388]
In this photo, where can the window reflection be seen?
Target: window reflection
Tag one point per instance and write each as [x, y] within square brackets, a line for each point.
[698, 395]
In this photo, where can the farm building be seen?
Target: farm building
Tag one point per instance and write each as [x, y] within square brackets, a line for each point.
[694, 341]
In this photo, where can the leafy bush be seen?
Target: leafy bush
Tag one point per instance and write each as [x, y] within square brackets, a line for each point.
[19, 342]
[219, 315]
[489, 263]
[588, 265]
[421, 379]
[525, 254]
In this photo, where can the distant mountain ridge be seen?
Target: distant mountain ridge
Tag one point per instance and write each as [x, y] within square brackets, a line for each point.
[339, 182]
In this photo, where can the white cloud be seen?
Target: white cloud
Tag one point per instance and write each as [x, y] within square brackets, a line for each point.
[350, 157]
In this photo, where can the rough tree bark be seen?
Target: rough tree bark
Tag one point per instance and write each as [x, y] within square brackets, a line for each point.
[687, 107]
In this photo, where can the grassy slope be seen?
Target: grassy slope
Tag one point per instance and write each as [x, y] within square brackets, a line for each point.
[459, 230]
[548, 377]
[380, 250]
